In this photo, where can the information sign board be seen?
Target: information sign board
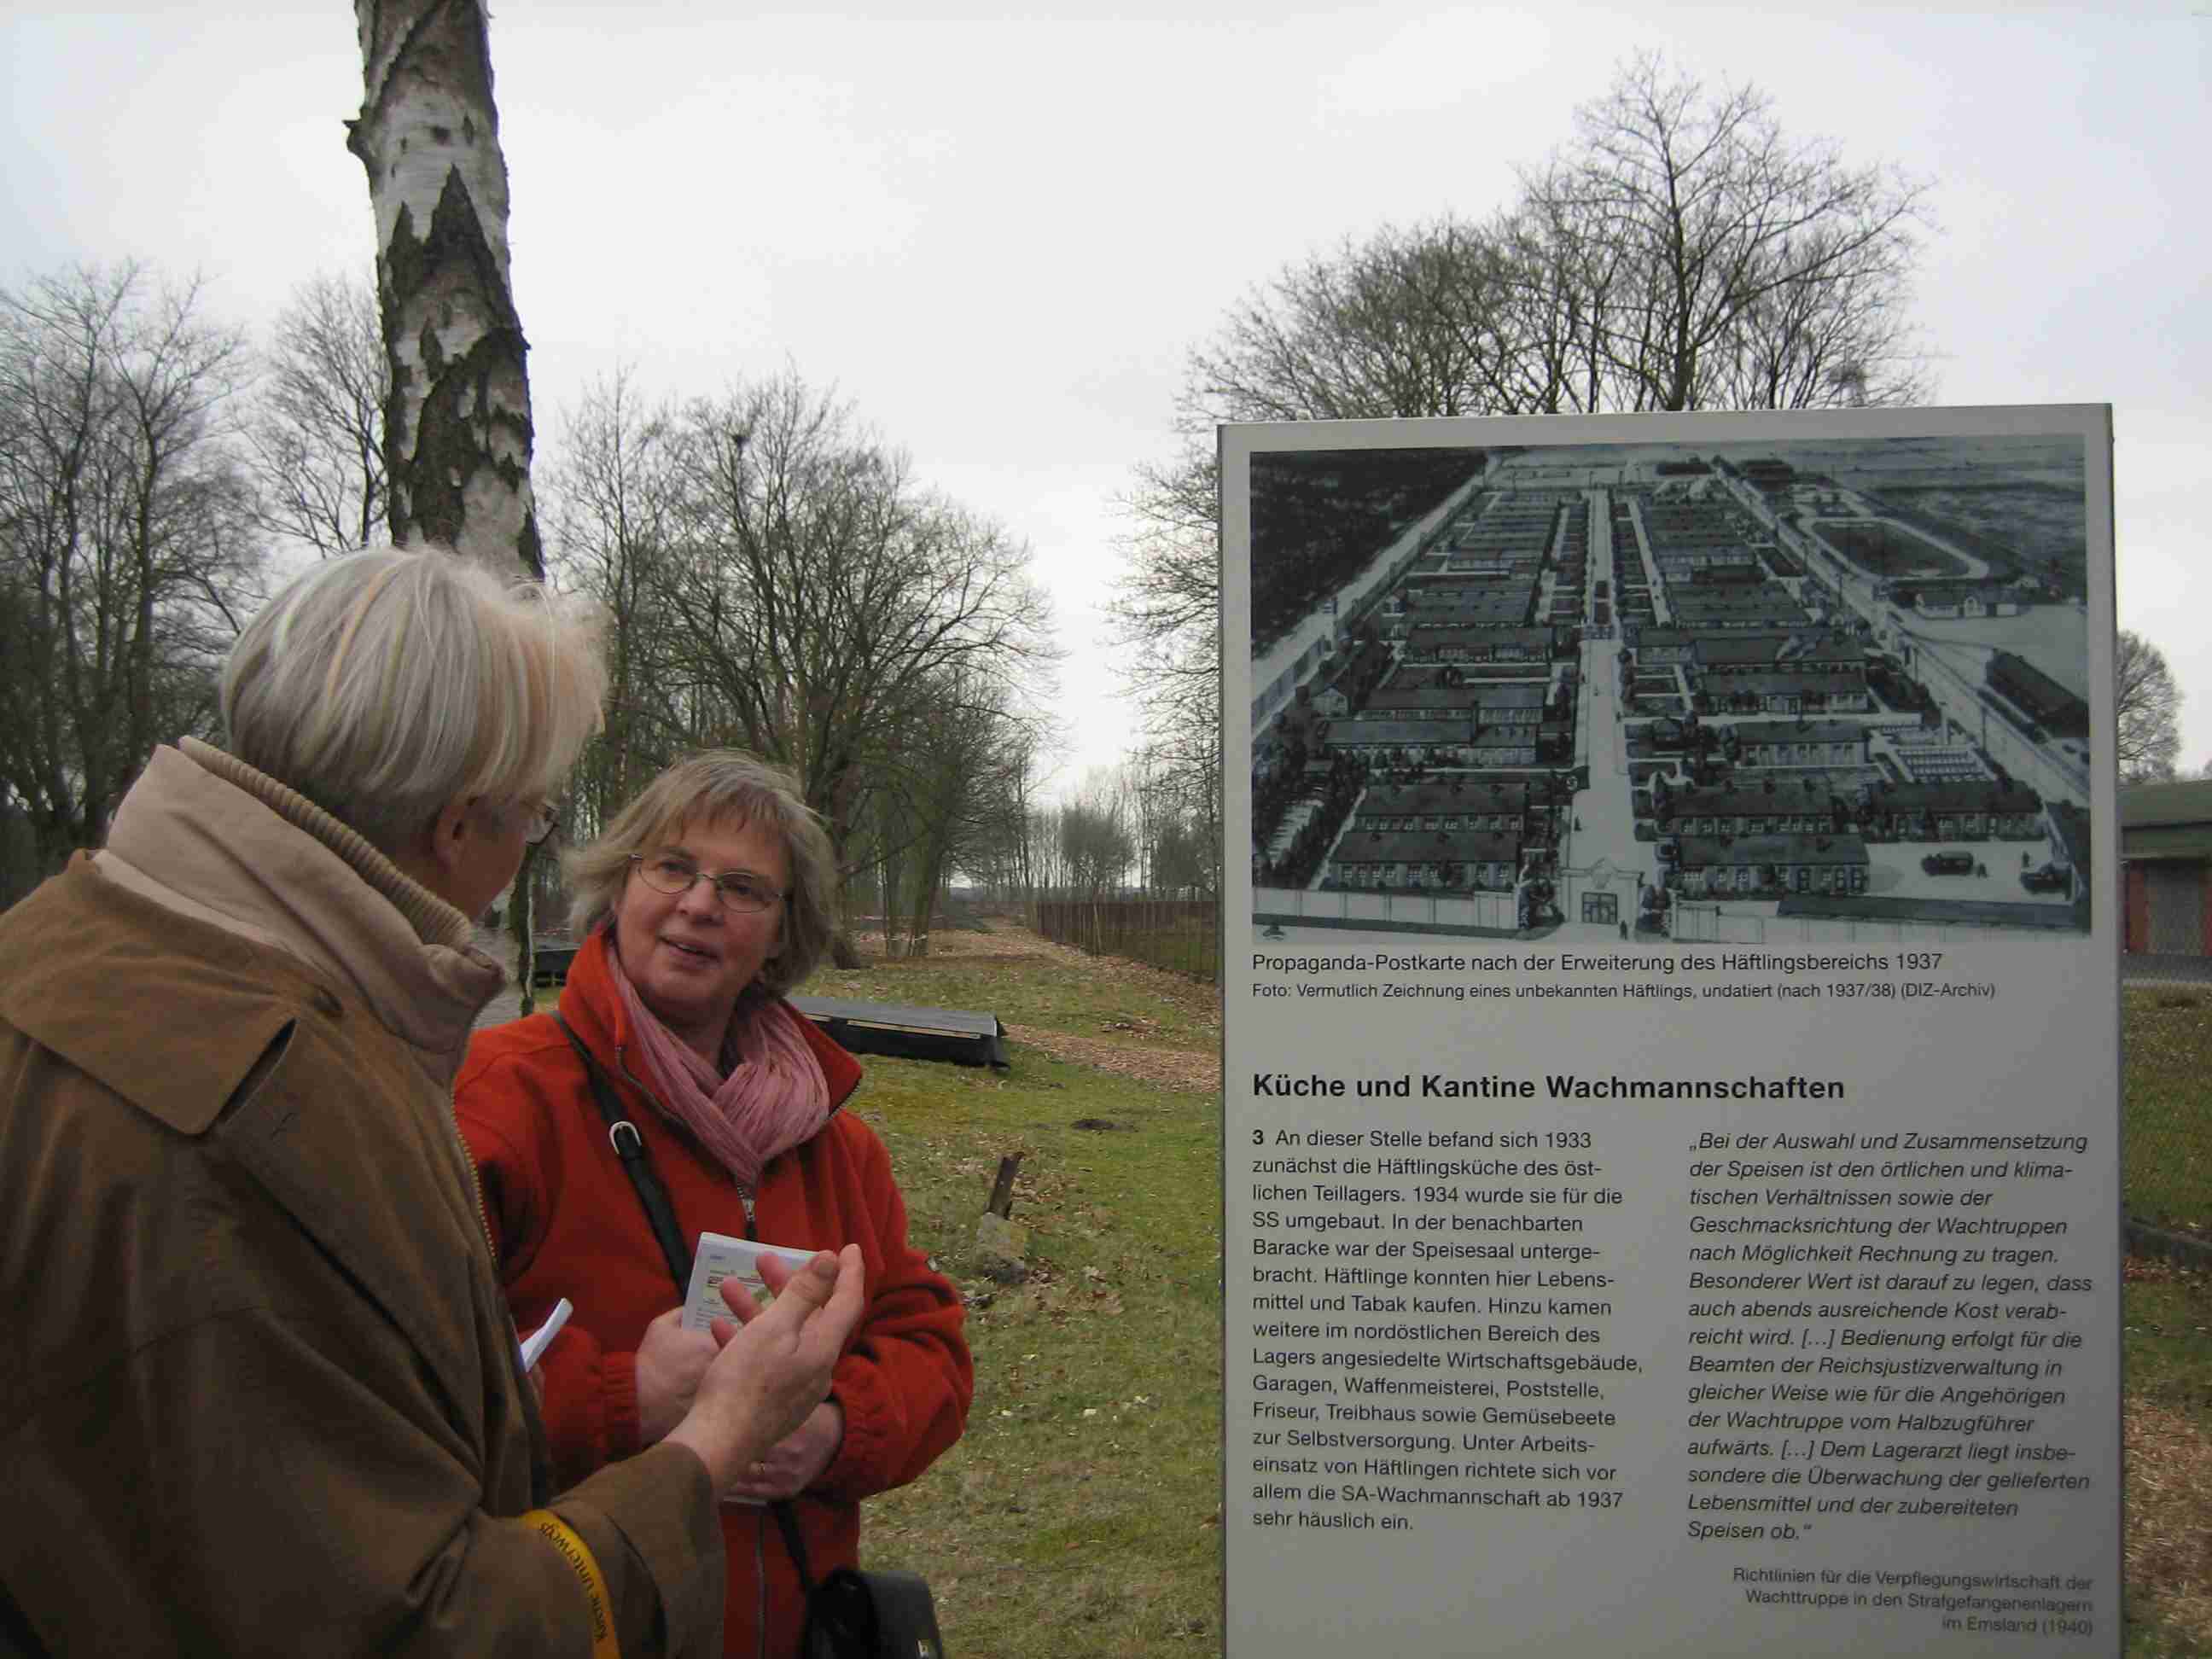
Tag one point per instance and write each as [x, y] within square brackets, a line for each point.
[1672, 1035]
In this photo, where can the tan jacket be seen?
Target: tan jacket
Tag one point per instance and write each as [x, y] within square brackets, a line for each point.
[257, 1384]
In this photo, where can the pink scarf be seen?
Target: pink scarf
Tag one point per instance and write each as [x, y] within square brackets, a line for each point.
[774, 1096]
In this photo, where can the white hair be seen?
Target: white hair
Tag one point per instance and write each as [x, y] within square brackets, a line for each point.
[384, 684]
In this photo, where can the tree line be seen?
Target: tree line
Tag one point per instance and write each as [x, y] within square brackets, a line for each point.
[131, 542]
[1682, 250]
[776, 579]
[771, 574]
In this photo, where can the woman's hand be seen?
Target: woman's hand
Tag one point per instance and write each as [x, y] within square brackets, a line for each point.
[794, 1463]
[671, 1360]
[775, 1370]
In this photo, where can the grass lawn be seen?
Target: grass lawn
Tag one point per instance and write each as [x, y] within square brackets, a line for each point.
[2166, 1339]
[2168, 1447]
[1080, 1513]
[2168, 1034]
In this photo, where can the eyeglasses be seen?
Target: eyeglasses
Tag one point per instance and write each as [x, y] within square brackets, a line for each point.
[739, 890]
[543, 820]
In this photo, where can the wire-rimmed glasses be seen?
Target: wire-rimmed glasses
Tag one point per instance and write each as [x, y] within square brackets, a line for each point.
[741, 891]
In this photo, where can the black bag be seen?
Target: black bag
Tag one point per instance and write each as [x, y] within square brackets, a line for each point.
[862, 1615]
[849, 1614]
[871, 1615]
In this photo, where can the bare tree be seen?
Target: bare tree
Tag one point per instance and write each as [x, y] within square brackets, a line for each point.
[1564, 283]
[1185, 858]
[1002, 854]
[940, 802]
[127, 553]
[617, 505]
[1172, 834]
[819, 596]
[457, 432]
[1409, 322]
[1097, 846]
[2146, 699]
[1683, 252]
[775, 579]
[1045, 857]
[1166, 613]
[315, 438]
[1745, 269]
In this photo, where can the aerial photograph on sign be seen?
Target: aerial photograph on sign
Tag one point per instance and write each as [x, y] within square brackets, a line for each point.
[1766, 691]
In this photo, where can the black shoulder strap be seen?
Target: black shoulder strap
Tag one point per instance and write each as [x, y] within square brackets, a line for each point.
[629, 1146]
[788, 1520]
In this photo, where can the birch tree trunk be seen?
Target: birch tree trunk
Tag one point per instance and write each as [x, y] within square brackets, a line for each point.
[457, 430]
[456, 427]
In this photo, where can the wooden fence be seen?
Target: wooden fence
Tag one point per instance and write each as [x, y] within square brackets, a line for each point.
[1182, 935]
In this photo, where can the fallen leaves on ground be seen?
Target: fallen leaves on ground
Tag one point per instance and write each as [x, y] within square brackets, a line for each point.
[2169, 1536]
[1169, 1068]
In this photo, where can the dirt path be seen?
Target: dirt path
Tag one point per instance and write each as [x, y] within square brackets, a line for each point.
[1169, 1068]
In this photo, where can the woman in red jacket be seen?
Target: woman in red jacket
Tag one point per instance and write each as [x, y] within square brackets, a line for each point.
[705, 900]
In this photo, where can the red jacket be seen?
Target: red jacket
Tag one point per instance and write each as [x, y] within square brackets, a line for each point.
[566, 1221]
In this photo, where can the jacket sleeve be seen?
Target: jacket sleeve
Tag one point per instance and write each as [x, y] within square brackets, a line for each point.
[308, 1503]
[906, 1382]
[279, 1469]
[590, 1405]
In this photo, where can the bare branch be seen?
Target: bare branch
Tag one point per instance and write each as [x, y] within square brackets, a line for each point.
[2146, 699]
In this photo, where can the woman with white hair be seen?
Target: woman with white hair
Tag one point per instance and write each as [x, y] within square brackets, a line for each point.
[260, 1389]
[707, 899]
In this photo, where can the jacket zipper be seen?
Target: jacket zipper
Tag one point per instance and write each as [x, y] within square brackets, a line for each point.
[759, 1514]
[476, 1187]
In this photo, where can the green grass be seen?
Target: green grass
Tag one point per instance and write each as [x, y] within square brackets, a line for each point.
[2167, 1349]
[1080, 1512]
[2166, 1321]
[2167, 1311]
[2168, 1177]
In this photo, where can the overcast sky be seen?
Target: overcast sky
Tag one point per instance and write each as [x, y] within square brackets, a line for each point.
[999, 233]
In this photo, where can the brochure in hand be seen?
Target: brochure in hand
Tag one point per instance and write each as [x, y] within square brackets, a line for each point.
[534, 1345]
[720, 1257]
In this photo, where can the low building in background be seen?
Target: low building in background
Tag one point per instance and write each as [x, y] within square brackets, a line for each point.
[2165, 852]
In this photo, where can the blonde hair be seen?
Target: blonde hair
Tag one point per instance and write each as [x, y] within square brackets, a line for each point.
[718, 787]
[384, 684]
